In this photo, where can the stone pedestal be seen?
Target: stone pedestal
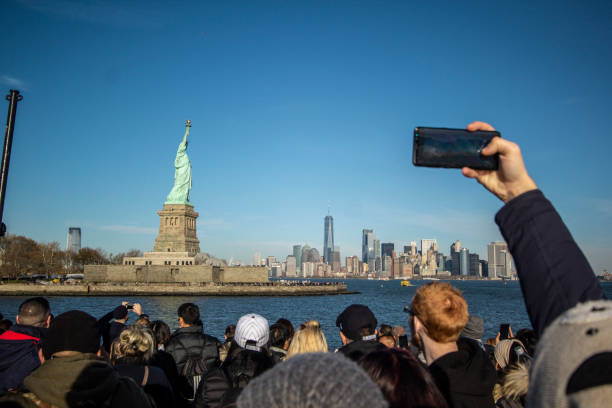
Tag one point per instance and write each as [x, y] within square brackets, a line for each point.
[177, 230]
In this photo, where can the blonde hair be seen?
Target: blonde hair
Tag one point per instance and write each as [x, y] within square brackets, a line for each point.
[309, 338]
[135, 343]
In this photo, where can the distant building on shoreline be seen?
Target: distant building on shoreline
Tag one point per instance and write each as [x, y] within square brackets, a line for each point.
[73, 240]
[500, 260]
[328, 239]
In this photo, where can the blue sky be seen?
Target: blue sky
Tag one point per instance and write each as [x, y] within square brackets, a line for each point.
[294, 105]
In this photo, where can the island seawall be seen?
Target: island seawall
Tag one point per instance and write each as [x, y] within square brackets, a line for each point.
[165, 289]
[166, 280]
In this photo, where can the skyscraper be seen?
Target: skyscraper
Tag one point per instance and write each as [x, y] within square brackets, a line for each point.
[367, 245]
[386, 252]
[73, 240]
[335, 260]
[257, 259]
[291, 266]
[310, 255]
[305, 254]
[297, 253]
[386, 248]
[475, 268]
[328, 239]
[427, 245]
[410, 249]
[454, 252]
[485, 268]
[500, 261]
[464, 264]
[376, 255]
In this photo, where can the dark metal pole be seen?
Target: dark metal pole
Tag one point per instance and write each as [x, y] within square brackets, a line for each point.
[13, 98]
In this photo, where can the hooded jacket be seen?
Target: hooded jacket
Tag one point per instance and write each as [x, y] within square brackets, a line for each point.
[465, 377]
[82, 379]
[18, 354]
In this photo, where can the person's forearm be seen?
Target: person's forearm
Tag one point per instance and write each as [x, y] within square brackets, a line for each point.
[553, 272]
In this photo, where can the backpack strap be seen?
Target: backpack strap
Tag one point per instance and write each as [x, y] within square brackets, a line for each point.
[145, 378]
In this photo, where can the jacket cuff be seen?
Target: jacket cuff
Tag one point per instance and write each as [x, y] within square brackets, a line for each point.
[520, 209]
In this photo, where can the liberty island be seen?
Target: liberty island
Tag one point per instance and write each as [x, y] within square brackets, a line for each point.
[176, 266]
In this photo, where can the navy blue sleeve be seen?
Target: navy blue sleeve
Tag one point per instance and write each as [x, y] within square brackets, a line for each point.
[104, 325]
[553, 272]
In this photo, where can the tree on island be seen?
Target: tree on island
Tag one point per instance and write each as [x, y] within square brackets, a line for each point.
[90, 256]
[19, 255]
[118, 258]
[22, 256]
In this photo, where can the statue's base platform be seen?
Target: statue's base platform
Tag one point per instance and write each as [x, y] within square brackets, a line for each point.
[177, 229]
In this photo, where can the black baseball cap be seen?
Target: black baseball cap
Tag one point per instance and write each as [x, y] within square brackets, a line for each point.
[354, 318]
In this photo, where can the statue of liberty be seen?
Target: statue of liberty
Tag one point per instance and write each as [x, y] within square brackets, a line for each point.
[182, 173]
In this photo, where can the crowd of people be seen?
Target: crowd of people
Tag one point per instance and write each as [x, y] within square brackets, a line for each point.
[191, 368]
[78, 360]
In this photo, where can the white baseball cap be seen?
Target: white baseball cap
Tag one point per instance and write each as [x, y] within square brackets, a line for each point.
[252, 327]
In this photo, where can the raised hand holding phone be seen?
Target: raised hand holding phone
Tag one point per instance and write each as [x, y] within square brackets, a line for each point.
[511, 178]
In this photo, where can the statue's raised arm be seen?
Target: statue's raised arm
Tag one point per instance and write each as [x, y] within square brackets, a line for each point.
[182, 173]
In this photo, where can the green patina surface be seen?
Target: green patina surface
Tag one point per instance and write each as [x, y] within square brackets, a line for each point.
[182, 173]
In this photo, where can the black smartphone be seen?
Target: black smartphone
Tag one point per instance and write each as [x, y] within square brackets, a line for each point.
[403, 341]
[504, 331]
[129, 307]
[452, 148]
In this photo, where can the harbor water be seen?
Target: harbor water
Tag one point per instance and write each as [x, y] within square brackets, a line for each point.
[494, 301]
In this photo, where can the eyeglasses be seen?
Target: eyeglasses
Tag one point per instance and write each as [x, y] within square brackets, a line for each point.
[408, 309]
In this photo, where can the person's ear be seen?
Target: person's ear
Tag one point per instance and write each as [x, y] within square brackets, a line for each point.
[17, 319]
[343, 338]
[418, 325]
[48, 321]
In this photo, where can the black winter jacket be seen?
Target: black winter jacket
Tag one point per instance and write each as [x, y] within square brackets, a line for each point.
[360, 348]
[164, 360]
[222, 386]
[156, 385]
[465, 377]
[110, 331]
[554, 273]
[18, 354]
[188, 342]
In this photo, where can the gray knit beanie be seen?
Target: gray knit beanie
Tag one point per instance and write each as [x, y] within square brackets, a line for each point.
[573, 361]
[474, 328]
[325, 380]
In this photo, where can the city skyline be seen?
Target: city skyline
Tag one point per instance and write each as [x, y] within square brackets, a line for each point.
[429, 261]
[294, 105]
